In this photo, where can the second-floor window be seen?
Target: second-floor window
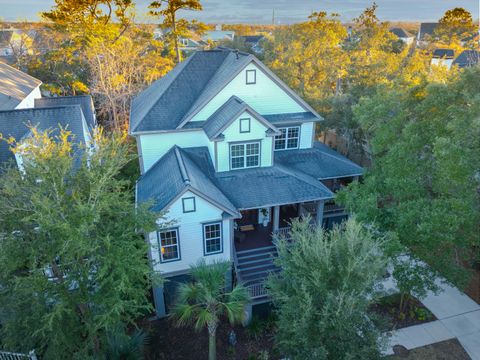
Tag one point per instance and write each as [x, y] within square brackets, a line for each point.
[245, 155]
[288, 139]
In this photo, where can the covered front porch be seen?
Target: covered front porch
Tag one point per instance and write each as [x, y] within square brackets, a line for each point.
[254, 249]
[259, 226]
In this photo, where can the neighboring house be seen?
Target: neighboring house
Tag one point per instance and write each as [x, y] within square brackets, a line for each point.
[15, 42]
[189, 45]
[17, 123]
[254, 42]
[426, 33]
[443, 57]
[467, 58]
[18, 90]
[218, 35]
[403, 35]
[228, 152]
[85, 102]
[21, 107]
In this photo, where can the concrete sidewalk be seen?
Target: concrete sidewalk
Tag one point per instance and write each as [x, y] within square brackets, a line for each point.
[458, 317]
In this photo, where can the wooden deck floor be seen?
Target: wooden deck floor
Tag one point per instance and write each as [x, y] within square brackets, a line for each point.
[260, 237]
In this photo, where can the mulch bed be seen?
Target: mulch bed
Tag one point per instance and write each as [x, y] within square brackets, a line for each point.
[445, 350]
[166, 341]
[391, 318]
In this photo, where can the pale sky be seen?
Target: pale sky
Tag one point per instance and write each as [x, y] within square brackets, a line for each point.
[286, 11]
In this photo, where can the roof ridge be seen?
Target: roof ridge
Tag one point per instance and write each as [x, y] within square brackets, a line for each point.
[181, 164]
[41, 108]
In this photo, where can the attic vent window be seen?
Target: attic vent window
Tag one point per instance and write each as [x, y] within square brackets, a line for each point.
[188, 204]
[245, 125]
[251, 77]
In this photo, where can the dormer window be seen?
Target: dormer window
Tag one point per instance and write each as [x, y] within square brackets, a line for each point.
[245, 125]
[251, 77]
[288, 139]
[245, 155]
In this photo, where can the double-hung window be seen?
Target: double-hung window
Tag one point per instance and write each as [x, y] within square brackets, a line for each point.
[212, 237]
[169, 245]
[288, 139]
[245, 155]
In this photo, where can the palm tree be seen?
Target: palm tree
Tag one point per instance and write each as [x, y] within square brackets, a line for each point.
[204, 301]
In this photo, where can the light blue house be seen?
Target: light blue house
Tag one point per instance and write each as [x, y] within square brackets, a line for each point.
[229, 152]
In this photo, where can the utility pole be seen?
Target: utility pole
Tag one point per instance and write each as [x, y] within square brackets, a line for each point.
[273, 16]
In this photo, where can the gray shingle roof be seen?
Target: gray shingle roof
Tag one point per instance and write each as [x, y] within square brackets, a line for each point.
[232, 108]
[15, 123]
[15, 85]
[426, 29]
[400, 32]
[443, 54]
[467, 58]
[170, 102]
[229, 112]
[269, 186]
[85, 102]
[173, 174]
[163, 105]
[244, 189]
[320, 162]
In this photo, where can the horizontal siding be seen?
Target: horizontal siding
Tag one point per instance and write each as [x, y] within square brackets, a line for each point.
[154, 146]
[266, 97]
[306, 135]
[190, 226]
[232, 134]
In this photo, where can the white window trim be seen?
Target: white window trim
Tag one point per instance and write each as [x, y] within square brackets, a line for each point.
[287, 138]
[177, 244]
[245, 155]
[205, 253]
[251, 71]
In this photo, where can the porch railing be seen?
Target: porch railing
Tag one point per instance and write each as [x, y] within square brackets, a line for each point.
[257, 290]
[283, 232]
[5, 355]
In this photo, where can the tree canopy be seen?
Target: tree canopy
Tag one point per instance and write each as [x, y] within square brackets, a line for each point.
[327, 282]
[424, 183]
[72, 259]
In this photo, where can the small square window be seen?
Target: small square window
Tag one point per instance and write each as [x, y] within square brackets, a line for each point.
[245, 125]
[251, 77]
[188, 204]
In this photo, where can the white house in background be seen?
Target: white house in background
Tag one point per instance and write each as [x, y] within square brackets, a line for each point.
[228, 151]
[403, 35]
[443, 57]
[18, 90]
[21, 106]
[218, 34]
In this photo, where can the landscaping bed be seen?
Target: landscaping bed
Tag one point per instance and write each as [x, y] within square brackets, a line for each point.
[445, 350]
[166, 341]
[391, 318]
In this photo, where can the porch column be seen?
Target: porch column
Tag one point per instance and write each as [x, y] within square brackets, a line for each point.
[159, 301]
[276, 218]
[319, 218]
